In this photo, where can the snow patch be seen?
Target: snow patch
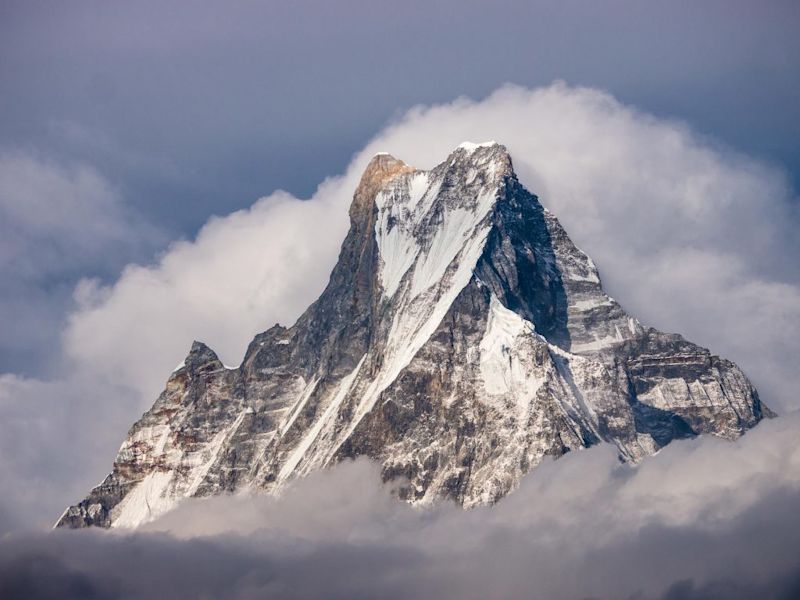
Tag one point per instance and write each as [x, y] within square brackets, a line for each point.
[471, 146]
[499, 363]
[299, 405]
[599, 342]
[458, 226]
[333, 406]
[211, 451]
[145, 502]
[586, 305]
[399, 211]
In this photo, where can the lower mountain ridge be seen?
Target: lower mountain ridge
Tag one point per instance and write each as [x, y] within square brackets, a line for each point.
[462, 338]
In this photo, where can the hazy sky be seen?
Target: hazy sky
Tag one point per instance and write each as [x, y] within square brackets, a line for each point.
[670, 154]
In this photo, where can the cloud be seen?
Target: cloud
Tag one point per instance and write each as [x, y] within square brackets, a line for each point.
[687, 484]
[243, 273]
[57, 224]
[704, 518]
[688, 236]
[57, 438]
[57, 218]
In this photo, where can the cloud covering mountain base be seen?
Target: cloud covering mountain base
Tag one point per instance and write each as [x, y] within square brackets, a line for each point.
[703, 519]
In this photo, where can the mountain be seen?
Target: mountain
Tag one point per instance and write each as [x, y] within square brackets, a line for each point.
[462, 338]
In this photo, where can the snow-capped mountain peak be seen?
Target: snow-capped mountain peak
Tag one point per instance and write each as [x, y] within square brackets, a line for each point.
[461, 339]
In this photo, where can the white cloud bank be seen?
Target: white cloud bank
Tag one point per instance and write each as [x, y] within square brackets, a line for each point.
[689, 237]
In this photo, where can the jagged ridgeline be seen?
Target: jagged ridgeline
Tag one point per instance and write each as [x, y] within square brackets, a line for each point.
[462, 338]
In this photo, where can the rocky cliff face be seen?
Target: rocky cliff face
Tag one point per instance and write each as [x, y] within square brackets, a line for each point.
[461, 339]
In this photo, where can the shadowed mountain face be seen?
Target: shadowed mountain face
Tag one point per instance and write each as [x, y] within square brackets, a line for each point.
[461, 339]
